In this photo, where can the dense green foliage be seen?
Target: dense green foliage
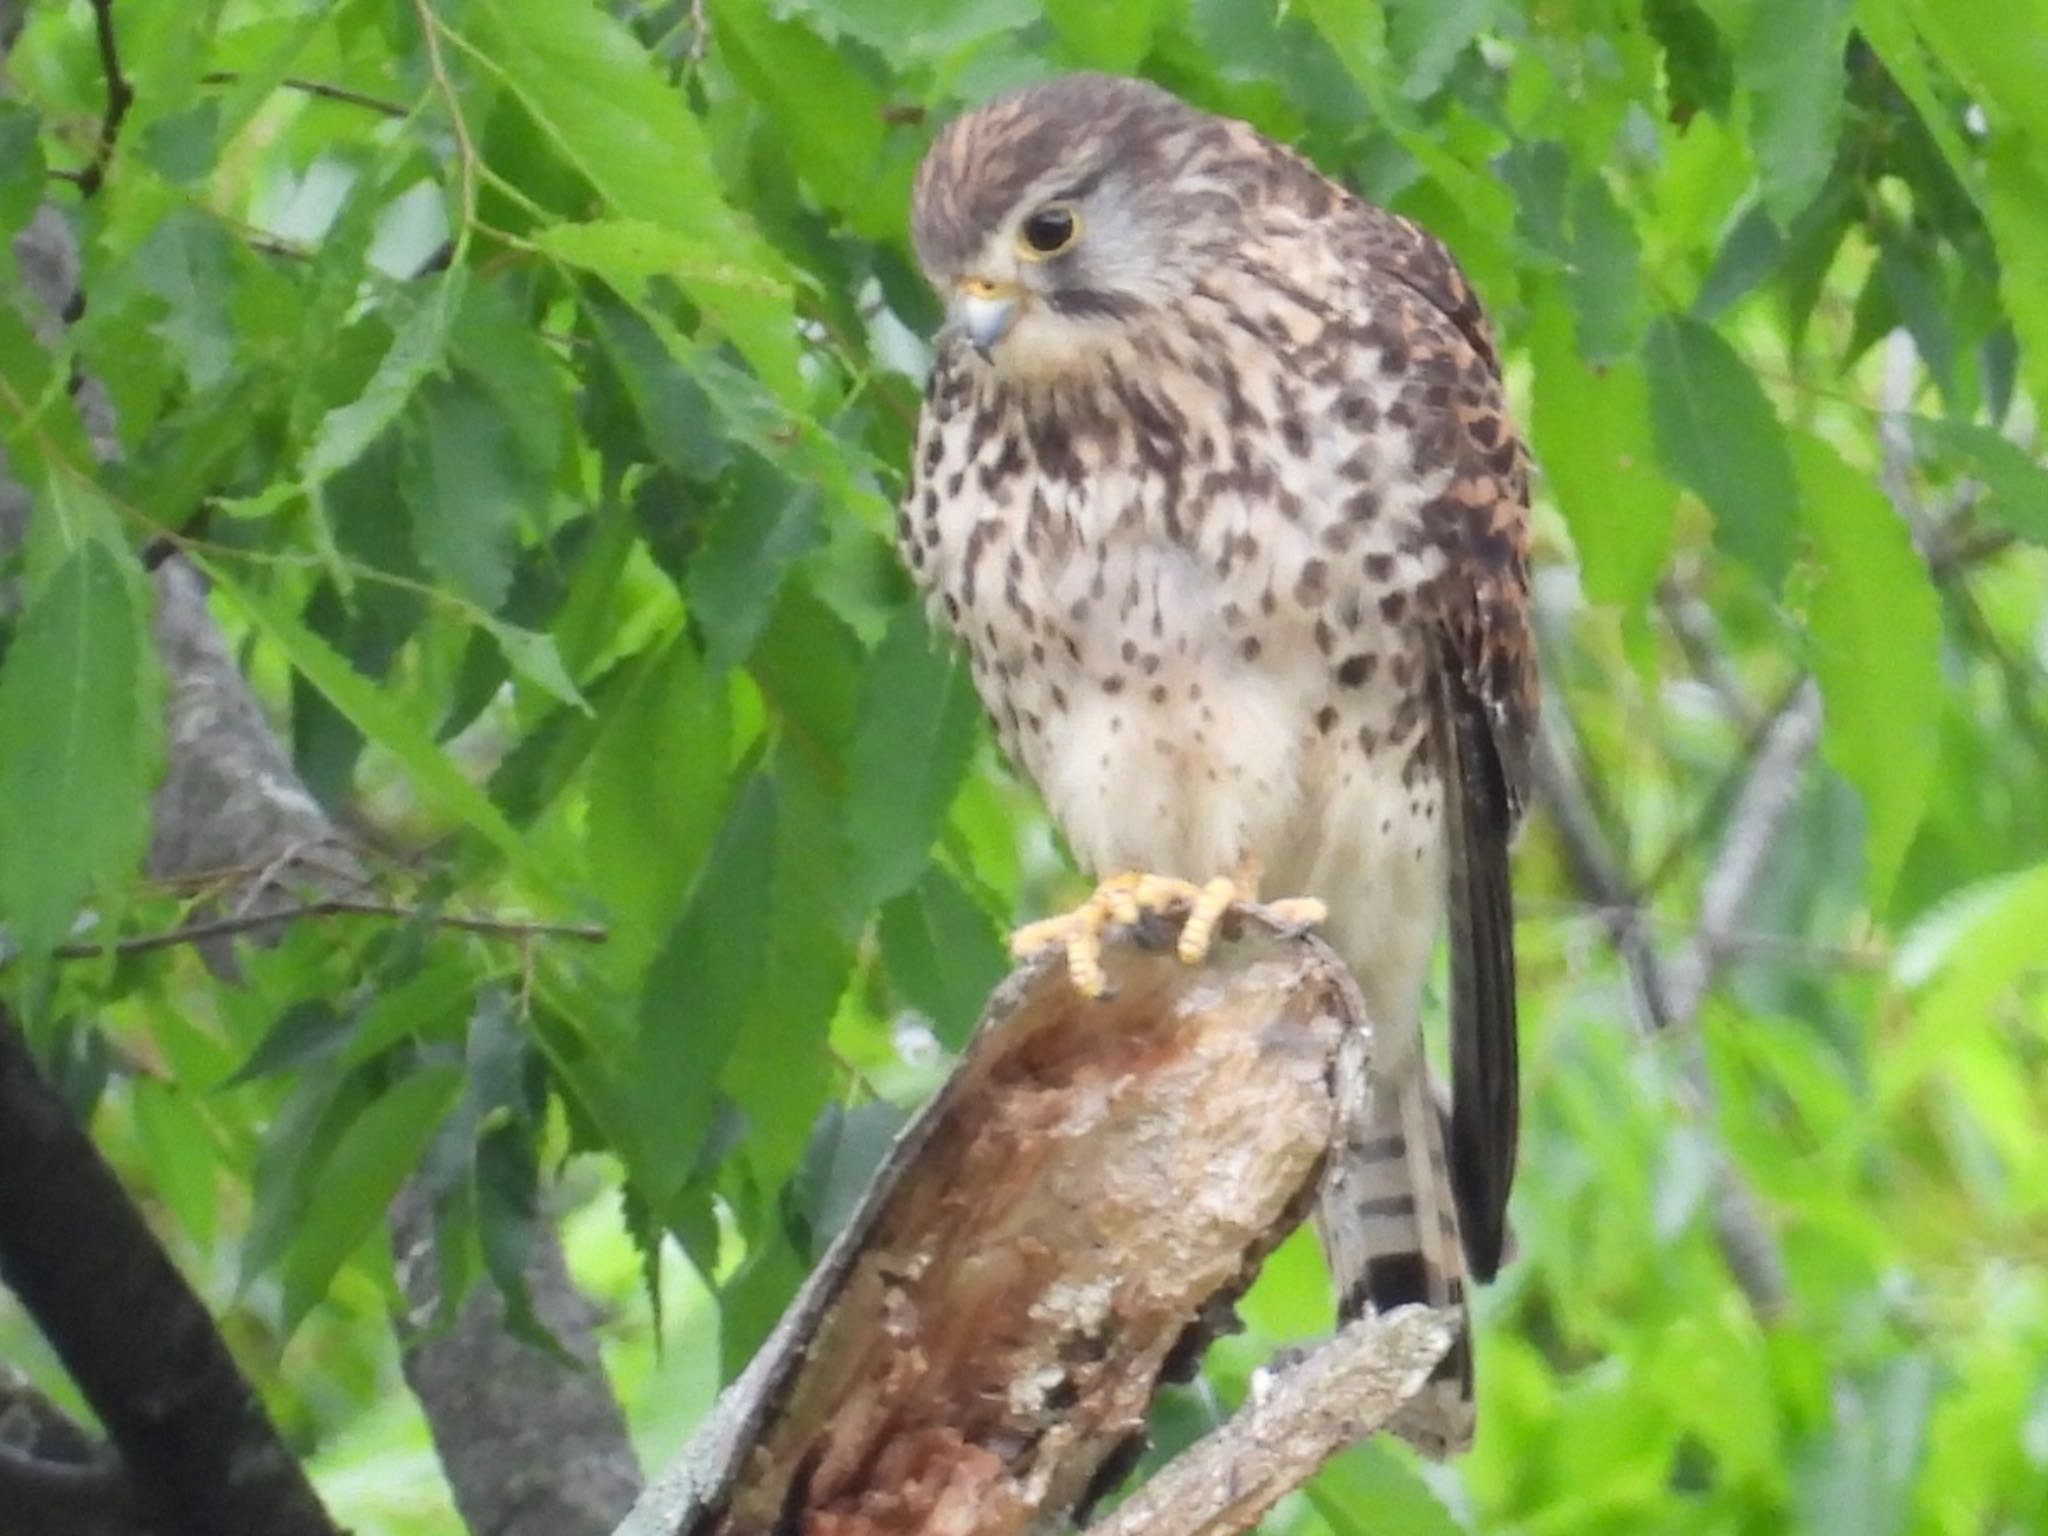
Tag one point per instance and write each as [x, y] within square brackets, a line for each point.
[536, 412]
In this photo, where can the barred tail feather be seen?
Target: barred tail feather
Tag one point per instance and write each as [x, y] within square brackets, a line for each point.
[1389, 1225]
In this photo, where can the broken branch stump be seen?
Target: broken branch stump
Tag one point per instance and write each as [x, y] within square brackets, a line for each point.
[1063, 1228]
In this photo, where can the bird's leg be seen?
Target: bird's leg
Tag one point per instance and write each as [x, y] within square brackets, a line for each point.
[1213, 899]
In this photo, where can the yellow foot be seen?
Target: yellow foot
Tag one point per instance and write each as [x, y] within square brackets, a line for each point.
[1127, 898]
[1216, 898]
[1124, 899]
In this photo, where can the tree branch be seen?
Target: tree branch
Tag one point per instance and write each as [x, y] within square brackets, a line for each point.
[43, 1497]
[120, 96]
[1332, 1398]
[1769, 792]
[1594, 866]
[537, 1447]
[56, 1479]
[134, 1336]
[34, 1425]
[322, 89]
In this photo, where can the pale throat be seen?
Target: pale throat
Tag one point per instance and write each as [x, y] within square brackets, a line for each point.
[1045, 346]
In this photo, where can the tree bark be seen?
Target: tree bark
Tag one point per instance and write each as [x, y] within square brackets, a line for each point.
[142, 1347]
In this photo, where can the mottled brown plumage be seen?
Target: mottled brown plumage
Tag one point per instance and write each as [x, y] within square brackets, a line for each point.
[1215, 481]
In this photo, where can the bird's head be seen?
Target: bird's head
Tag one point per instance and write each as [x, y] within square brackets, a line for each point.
[1051, 218]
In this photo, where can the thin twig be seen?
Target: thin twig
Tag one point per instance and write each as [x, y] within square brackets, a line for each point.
[1723, 794]
[1936, 529]
[323, 89]
[1963, 548]
[1344, 1390]
[1775, 948]
[700, 35]
[120, 96]
[465, 148]
[1769, 791]
[337, 906]
[1590, 857]
[1692, 625]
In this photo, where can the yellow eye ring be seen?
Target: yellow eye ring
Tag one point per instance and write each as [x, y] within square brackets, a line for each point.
[1048, 231]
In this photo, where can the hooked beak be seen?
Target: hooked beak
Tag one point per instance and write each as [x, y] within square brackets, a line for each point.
[985, 310]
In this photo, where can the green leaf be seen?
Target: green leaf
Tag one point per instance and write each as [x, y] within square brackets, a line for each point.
[944, 953]
[180, 1151]
[1910, 273]
[39, 428]
[416, 351]
[907, 29]
[2018, 211]
[1876, 629]
[1696, 63]
[807, 663]
[22, 171]
[600, 100]
[761, 523]
[1994, 48]
[1967, 959]
[846, 1148]
[535, 658]
[1367, 1490]
[348, 1193]
[677, 421]
[829, 110]
[1426, 37]
[185, 262]
[1111, 37]
[916, 730]
[1592, 435]
[310, 1030]
[780, 1073]
[468, 487]
[1888, 28]
[1790, 67]
[79, 738]
[373, 712]
[495, 343]
[420, 1007]
[1719, 437]
[747, 299]
[505, 1170]
[1606, 291]
[2017, 484]
[597, 97]
[657, 780]
[698, 993]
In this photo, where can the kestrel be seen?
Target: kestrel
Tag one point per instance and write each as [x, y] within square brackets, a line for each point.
[1215, 481]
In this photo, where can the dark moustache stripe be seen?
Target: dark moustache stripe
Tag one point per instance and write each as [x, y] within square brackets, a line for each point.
[1090, 304]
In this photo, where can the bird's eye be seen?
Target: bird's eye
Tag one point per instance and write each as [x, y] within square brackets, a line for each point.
[1048, 232]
